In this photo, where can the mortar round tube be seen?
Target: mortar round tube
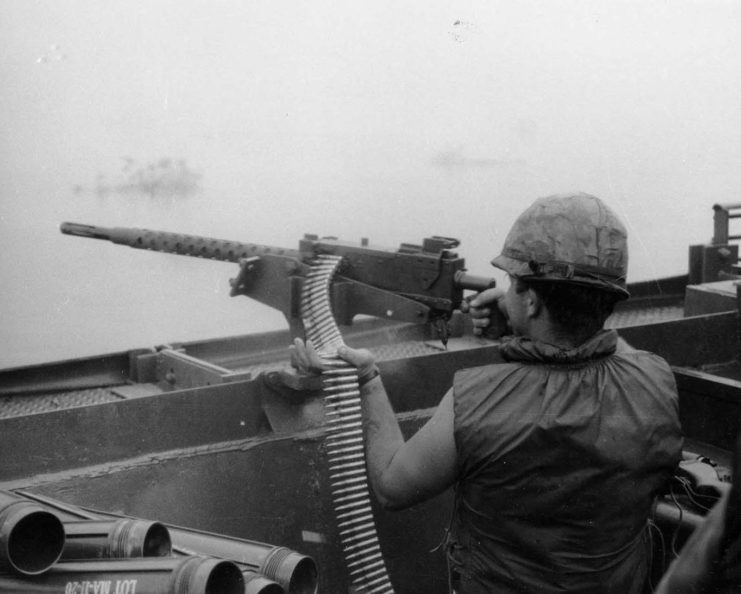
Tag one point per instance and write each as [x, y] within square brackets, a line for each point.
[256, 583]
[206, 575]
[296, 573]
[152, 575]
[115, 539]
[31, 537]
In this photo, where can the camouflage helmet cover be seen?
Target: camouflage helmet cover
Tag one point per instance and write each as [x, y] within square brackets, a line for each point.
[573, 238]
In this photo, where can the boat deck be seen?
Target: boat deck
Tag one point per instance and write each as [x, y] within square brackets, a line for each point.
[388, 342]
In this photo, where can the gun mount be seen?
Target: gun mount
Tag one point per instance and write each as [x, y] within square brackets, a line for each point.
[415, 283]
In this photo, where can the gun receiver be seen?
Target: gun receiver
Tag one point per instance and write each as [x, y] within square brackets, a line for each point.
[416, 283]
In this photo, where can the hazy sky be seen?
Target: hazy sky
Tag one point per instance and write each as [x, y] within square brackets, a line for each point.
[393, 120]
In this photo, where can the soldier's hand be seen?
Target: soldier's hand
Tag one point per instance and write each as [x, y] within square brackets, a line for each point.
[363, 359]
[306, 358]
[481, 306]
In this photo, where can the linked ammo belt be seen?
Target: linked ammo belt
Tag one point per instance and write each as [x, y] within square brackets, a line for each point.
[344, 441]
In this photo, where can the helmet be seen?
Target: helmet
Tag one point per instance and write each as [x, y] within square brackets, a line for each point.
[570, 238]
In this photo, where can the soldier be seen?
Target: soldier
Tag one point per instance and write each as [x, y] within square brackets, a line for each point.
[557, 448]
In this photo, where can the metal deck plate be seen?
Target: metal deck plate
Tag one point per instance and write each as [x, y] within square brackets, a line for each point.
[16, 406]
[641, 316]
[12, 406]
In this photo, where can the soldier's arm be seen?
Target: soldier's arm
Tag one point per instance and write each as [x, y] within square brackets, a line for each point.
[402, 472]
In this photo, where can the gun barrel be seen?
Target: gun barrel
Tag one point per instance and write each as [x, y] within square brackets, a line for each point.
[176, 243]
[85, 231]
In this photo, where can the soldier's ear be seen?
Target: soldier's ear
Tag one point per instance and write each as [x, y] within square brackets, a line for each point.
[533, 304]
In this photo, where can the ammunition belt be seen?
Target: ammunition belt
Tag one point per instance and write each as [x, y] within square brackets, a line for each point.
[344, 441]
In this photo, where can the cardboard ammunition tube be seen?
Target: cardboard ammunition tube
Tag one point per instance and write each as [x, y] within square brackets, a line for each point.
[256, 583]
[115, 539]
[296, 573]
[151, 575]
[31, 537]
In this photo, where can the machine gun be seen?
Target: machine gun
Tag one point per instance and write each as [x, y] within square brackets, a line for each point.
[322, 282]
[416, 283]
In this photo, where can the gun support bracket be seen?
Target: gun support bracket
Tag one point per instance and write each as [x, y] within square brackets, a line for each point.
[295, 381]
[350, 298]
[292, 401]
[241, 284]
[273, 280]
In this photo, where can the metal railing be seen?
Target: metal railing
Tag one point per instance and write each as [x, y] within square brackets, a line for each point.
[721, 222]
[722, 215]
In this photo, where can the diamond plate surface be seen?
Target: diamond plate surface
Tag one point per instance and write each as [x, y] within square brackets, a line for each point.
[16, 406]
[637, 317]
